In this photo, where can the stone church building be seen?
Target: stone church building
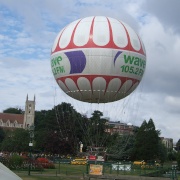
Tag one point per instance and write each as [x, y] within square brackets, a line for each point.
[8, 120]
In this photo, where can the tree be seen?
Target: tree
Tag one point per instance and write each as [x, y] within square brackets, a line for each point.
[68, 123]
[147, 141]
[178, 146]
[139, 149]
[178, 159]
[122, 147]
[59, 128]
[16, 141]
[162, 152]
[13, 110]
[171, 155]
[95, 130]
[2, 135]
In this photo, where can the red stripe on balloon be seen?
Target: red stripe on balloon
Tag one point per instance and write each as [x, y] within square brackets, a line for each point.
[92, 77]
[141, 50]
[57, 45]
[91, 44]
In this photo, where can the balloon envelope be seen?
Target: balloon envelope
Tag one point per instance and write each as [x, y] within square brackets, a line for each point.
[98, 59]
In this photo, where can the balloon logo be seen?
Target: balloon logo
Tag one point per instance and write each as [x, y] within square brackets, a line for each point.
[98, 59]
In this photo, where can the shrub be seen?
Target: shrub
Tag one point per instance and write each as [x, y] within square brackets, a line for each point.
[45, 163]
[42, 160]
[15, 162]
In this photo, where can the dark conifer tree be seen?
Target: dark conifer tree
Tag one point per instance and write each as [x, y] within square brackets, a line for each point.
[147, 141]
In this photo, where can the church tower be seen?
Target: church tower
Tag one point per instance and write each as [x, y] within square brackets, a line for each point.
[29, 114]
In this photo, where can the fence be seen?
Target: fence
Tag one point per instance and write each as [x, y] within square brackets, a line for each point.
[118, 169]
[64, 168]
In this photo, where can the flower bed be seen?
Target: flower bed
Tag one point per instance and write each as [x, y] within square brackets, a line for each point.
[45, 163]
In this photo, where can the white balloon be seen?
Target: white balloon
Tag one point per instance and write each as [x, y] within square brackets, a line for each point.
[98, 59]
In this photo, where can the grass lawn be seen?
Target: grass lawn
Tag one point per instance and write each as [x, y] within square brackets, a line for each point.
[61, 172]
[42, 177]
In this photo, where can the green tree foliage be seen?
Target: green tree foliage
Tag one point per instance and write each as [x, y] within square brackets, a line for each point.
[58, 130]
[13, 110]
[178, 146]
[95, 130]
[2, 135]
[61, 129]
[171, 156]
[147, 141]
[178, 159]
[15, 161]
[16, 141]
[122, 148]
[162, 152]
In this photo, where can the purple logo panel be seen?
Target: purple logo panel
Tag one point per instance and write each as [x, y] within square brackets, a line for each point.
[77, 60]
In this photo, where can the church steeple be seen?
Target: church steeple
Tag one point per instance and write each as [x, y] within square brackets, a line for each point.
[29, 113]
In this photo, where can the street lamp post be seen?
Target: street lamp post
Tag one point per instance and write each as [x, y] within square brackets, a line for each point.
[31, 134]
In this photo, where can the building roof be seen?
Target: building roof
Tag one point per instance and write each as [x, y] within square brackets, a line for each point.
[12, 117]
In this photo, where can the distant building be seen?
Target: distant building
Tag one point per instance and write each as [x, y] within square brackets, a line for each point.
[168, 142]
[8, 120]
[120, 128]
[11, 120]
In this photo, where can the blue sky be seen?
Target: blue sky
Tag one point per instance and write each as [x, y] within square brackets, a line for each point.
[28, 30]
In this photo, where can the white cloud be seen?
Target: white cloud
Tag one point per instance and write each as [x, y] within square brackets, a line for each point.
[173, 102]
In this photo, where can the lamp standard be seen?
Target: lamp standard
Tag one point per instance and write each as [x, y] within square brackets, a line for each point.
[31, 134]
